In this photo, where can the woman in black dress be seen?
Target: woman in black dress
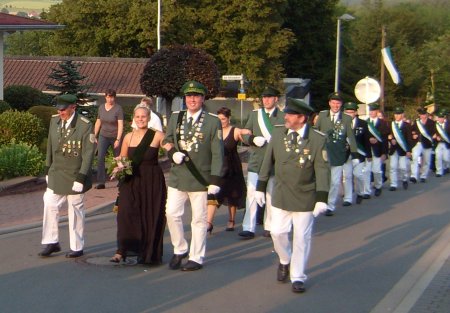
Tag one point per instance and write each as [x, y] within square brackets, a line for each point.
[142, 196]
[233, 190]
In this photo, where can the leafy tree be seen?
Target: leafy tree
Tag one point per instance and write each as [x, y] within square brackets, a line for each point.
[29, 43]
[169, 68]
[69, 80]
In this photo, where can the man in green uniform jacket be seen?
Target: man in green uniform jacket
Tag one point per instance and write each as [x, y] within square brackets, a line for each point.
[194, 143]
[337, 127]
[260, 123]
[302, 175]
[70, 150]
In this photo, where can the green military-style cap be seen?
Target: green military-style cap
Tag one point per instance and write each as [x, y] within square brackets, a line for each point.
[374, 106]
[422, 111]
[335, 96]
[351, 106]
[441, 113]
[270, 92]
[194, 87]
[399, 110]
[295, 106]
[63, 101]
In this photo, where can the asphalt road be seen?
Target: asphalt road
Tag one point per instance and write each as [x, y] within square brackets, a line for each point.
[374, 257]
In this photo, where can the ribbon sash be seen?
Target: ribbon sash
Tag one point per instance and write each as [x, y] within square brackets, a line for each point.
[374, 131]
[399, 136]
[442, 133]
[264, 124]
[423, 130]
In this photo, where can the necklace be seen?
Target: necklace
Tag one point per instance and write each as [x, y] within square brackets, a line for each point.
[189, 139]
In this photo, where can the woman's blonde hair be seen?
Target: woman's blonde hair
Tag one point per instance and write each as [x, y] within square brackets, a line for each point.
[142, 106]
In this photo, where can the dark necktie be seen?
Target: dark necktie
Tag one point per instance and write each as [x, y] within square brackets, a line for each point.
[63, 127]
[294, 138]
[189, 124]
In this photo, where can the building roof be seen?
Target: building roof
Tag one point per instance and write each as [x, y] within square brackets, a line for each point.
[120, 74]
[11, 23]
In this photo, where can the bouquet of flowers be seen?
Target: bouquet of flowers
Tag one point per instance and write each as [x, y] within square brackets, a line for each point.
[119, 167]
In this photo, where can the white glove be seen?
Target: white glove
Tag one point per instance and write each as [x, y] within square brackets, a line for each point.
[213, 189]
[178, 157]
[260, 198]
[259, 141]
[355, 162]
[46, 179]
[319, 208]
[77, 187]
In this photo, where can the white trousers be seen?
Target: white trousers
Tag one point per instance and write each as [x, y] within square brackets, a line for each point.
[353, 177]
[297, 255]
[52, 204]
[174, 213]
[367, 170]
[442, 158]
[375, 167]
[417, 152]
[335, 186]
[397, 169]
[251, 207]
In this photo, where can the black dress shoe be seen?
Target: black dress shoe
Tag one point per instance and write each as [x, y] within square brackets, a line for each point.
[359, 199]
[392, 188]
[328, 212]
[74, 254]
[438, 175]
[366, 196]
[282, 272]
[413, 180]
[49, 249]
[377, 192]
[191, 266]
[405, 185]
[298, 286]
[247, 234]
[175, 262]
[100, 186]
[346, 203]
[266, 233]
[423, 180]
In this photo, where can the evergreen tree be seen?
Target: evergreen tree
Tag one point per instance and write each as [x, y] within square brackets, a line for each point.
[69, 80]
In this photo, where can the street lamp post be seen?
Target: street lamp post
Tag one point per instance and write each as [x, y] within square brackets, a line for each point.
[344, 17]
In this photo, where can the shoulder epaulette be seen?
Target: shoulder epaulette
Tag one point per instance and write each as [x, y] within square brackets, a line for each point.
[212, 114]
[255, 110]
[278, 125]
[55, 115]
[318, 131]
[323, 111]
[84, 119]
[175, 112]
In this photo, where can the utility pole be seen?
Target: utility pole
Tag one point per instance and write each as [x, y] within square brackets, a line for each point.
[383, 44]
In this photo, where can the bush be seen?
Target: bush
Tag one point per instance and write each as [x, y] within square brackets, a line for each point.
[24, 97]
[21, 126]
[44, 113]
[4, 106]
[20, 159]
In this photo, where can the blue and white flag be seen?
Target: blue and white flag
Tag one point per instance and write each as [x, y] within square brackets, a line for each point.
[390, 65]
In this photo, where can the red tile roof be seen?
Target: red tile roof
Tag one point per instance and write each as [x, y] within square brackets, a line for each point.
[121, 74]
[10, 22]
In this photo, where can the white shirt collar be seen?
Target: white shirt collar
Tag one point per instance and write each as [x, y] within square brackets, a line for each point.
[194, 116]
[69, 120]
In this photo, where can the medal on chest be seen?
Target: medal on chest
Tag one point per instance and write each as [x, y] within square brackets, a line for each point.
[338, 131]
[190, 138]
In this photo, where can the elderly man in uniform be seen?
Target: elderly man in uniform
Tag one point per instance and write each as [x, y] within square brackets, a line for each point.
[298, 155]
[400, 143]
[422, 131]
[357, 172]
[340, 144]
[260, 123]
[70, 150]
[194, 143]
[442, 137]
